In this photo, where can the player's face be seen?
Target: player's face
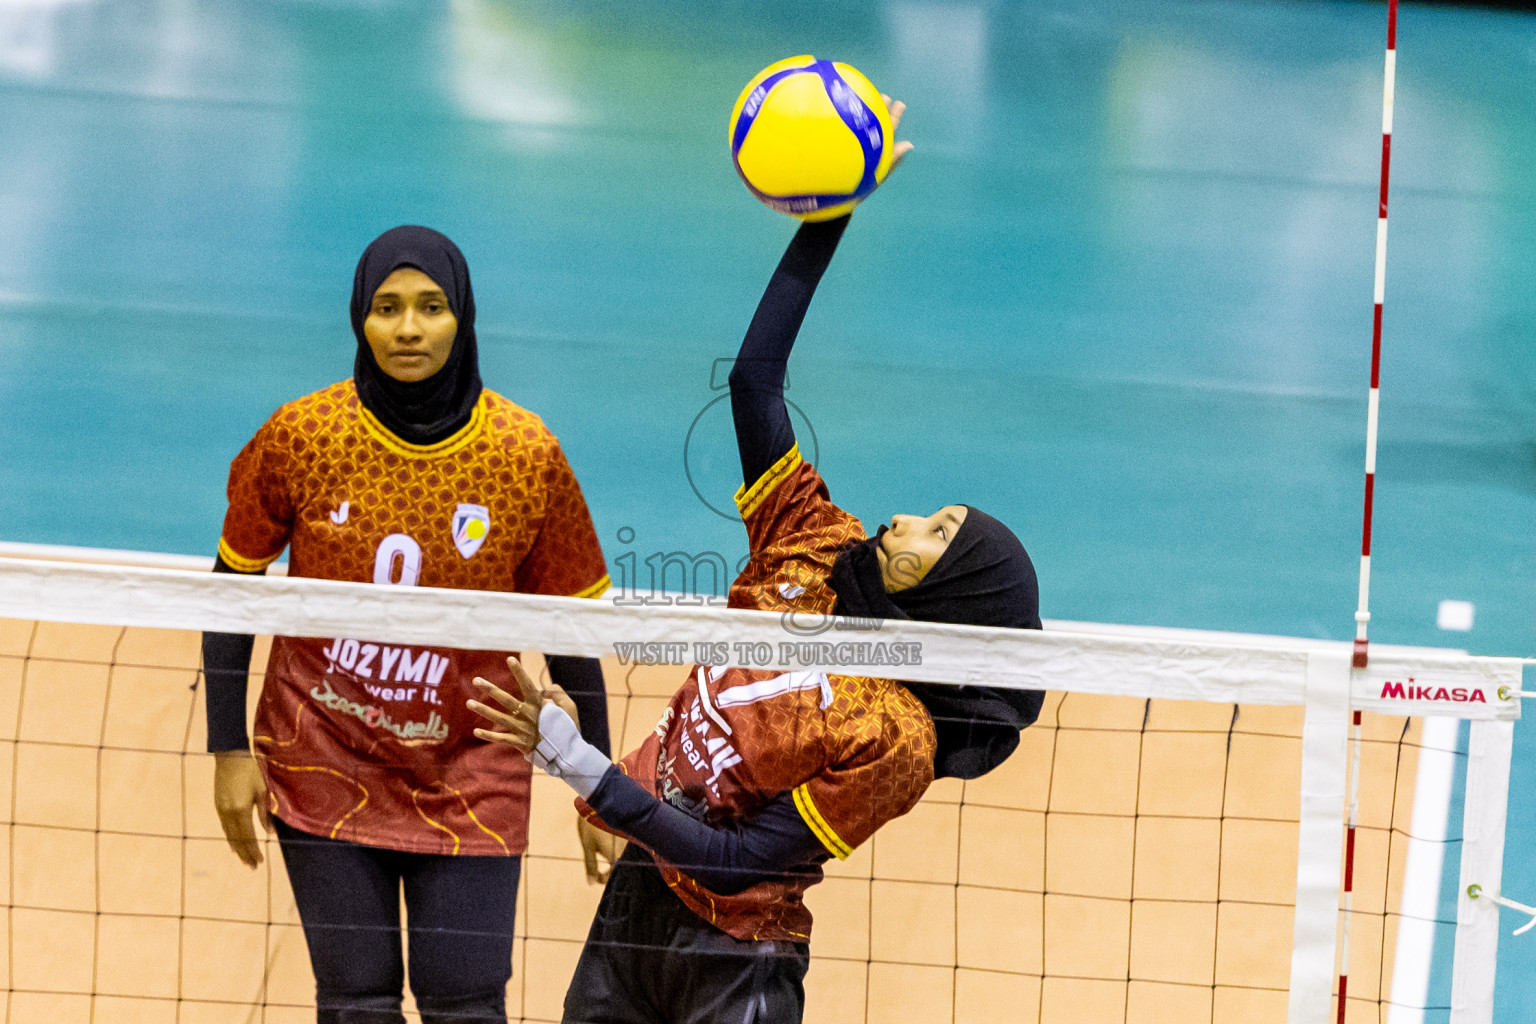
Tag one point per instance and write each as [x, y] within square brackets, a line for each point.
[914, 543]
[410, 327]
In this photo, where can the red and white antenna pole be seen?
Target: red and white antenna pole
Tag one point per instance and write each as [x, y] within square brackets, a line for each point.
[1363, 612]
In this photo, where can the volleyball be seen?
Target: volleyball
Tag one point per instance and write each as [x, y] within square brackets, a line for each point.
[811, 138]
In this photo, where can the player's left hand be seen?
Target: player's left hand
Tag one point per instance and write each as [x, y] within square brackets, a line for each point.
[600, 850]
[517, 720]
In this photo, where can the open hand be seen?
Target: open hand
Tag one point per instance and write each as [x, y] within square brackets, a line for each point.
[516, 720]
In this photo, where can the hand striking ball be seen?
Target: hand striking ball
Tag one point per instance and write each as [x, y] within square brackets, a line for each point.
[811, 138]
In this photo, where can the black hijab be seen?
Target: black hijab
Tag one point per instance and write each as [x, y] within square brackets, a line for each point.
[431, 410]
[984, 578]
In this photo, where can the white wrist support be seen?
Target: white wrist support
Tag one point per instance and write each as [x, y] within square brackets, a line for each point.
[564, 754]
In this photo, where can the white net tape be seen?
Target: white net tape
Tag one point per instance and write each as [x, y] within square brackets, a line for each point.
[1169, 664]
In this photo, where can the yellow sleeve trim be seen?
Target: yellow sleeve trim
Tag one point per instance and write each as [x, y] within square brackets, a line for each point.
[749, 498]
[239, 562]
[828, 836]
[597, 589]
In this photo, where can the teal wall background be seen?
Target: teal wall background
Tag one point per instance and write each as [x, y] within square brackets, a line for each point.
[1119, 295]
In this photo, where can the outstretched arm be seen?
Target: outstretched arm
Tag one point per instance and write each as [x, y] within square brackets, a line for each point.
[763, 431]
[724, 859]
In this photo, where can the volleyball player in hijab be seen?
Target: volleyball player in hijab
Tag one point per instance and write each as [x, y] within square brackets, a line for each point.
[411, 473]
[752, 779]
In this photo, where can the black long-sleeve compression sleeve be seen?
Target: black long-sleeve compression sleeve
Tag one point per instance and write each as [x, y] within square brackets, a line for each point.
[763, 430]
[226, 674]
[582, 678]
[772, 843]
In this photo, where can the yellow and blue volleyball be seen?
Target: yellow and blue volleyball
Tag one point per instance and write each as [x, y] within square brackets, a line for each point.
[811, 138]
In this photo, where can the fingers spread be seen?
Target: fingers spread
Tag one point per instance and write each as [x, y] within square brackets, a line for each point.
[493, 692]
[499, 718]
[525, 683]
[520, 742]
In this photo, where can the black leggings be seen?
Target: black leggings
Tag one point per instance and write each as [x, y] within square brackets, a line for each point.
[459, 911]
[648, 959]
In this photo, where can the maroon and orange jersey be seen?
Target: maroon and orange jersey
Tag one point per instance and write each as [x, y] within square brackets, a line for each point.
[854, 751]
[371, 742]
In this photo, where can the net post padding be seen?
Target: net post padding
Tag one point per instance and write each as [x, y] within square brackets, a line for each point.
[1490, 748]
[1324, 739]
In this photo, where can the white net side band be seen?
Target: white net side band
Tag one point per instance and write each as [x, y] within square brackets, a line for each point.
[1169, 664]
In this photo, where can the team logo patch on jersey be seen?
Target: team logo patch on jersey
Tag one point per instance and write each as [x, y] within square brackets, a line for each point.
[470, 525]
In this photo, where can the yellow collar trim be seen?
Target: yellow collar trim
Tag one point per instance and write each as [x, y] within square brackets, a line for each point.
[447, 446]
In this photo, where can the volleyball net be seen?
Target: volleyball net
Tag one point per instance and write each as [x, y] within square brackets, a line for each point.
[1166, 845]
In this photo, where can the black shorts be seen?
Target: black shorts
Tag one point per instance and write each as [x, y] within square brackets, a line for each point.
[650, 960]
